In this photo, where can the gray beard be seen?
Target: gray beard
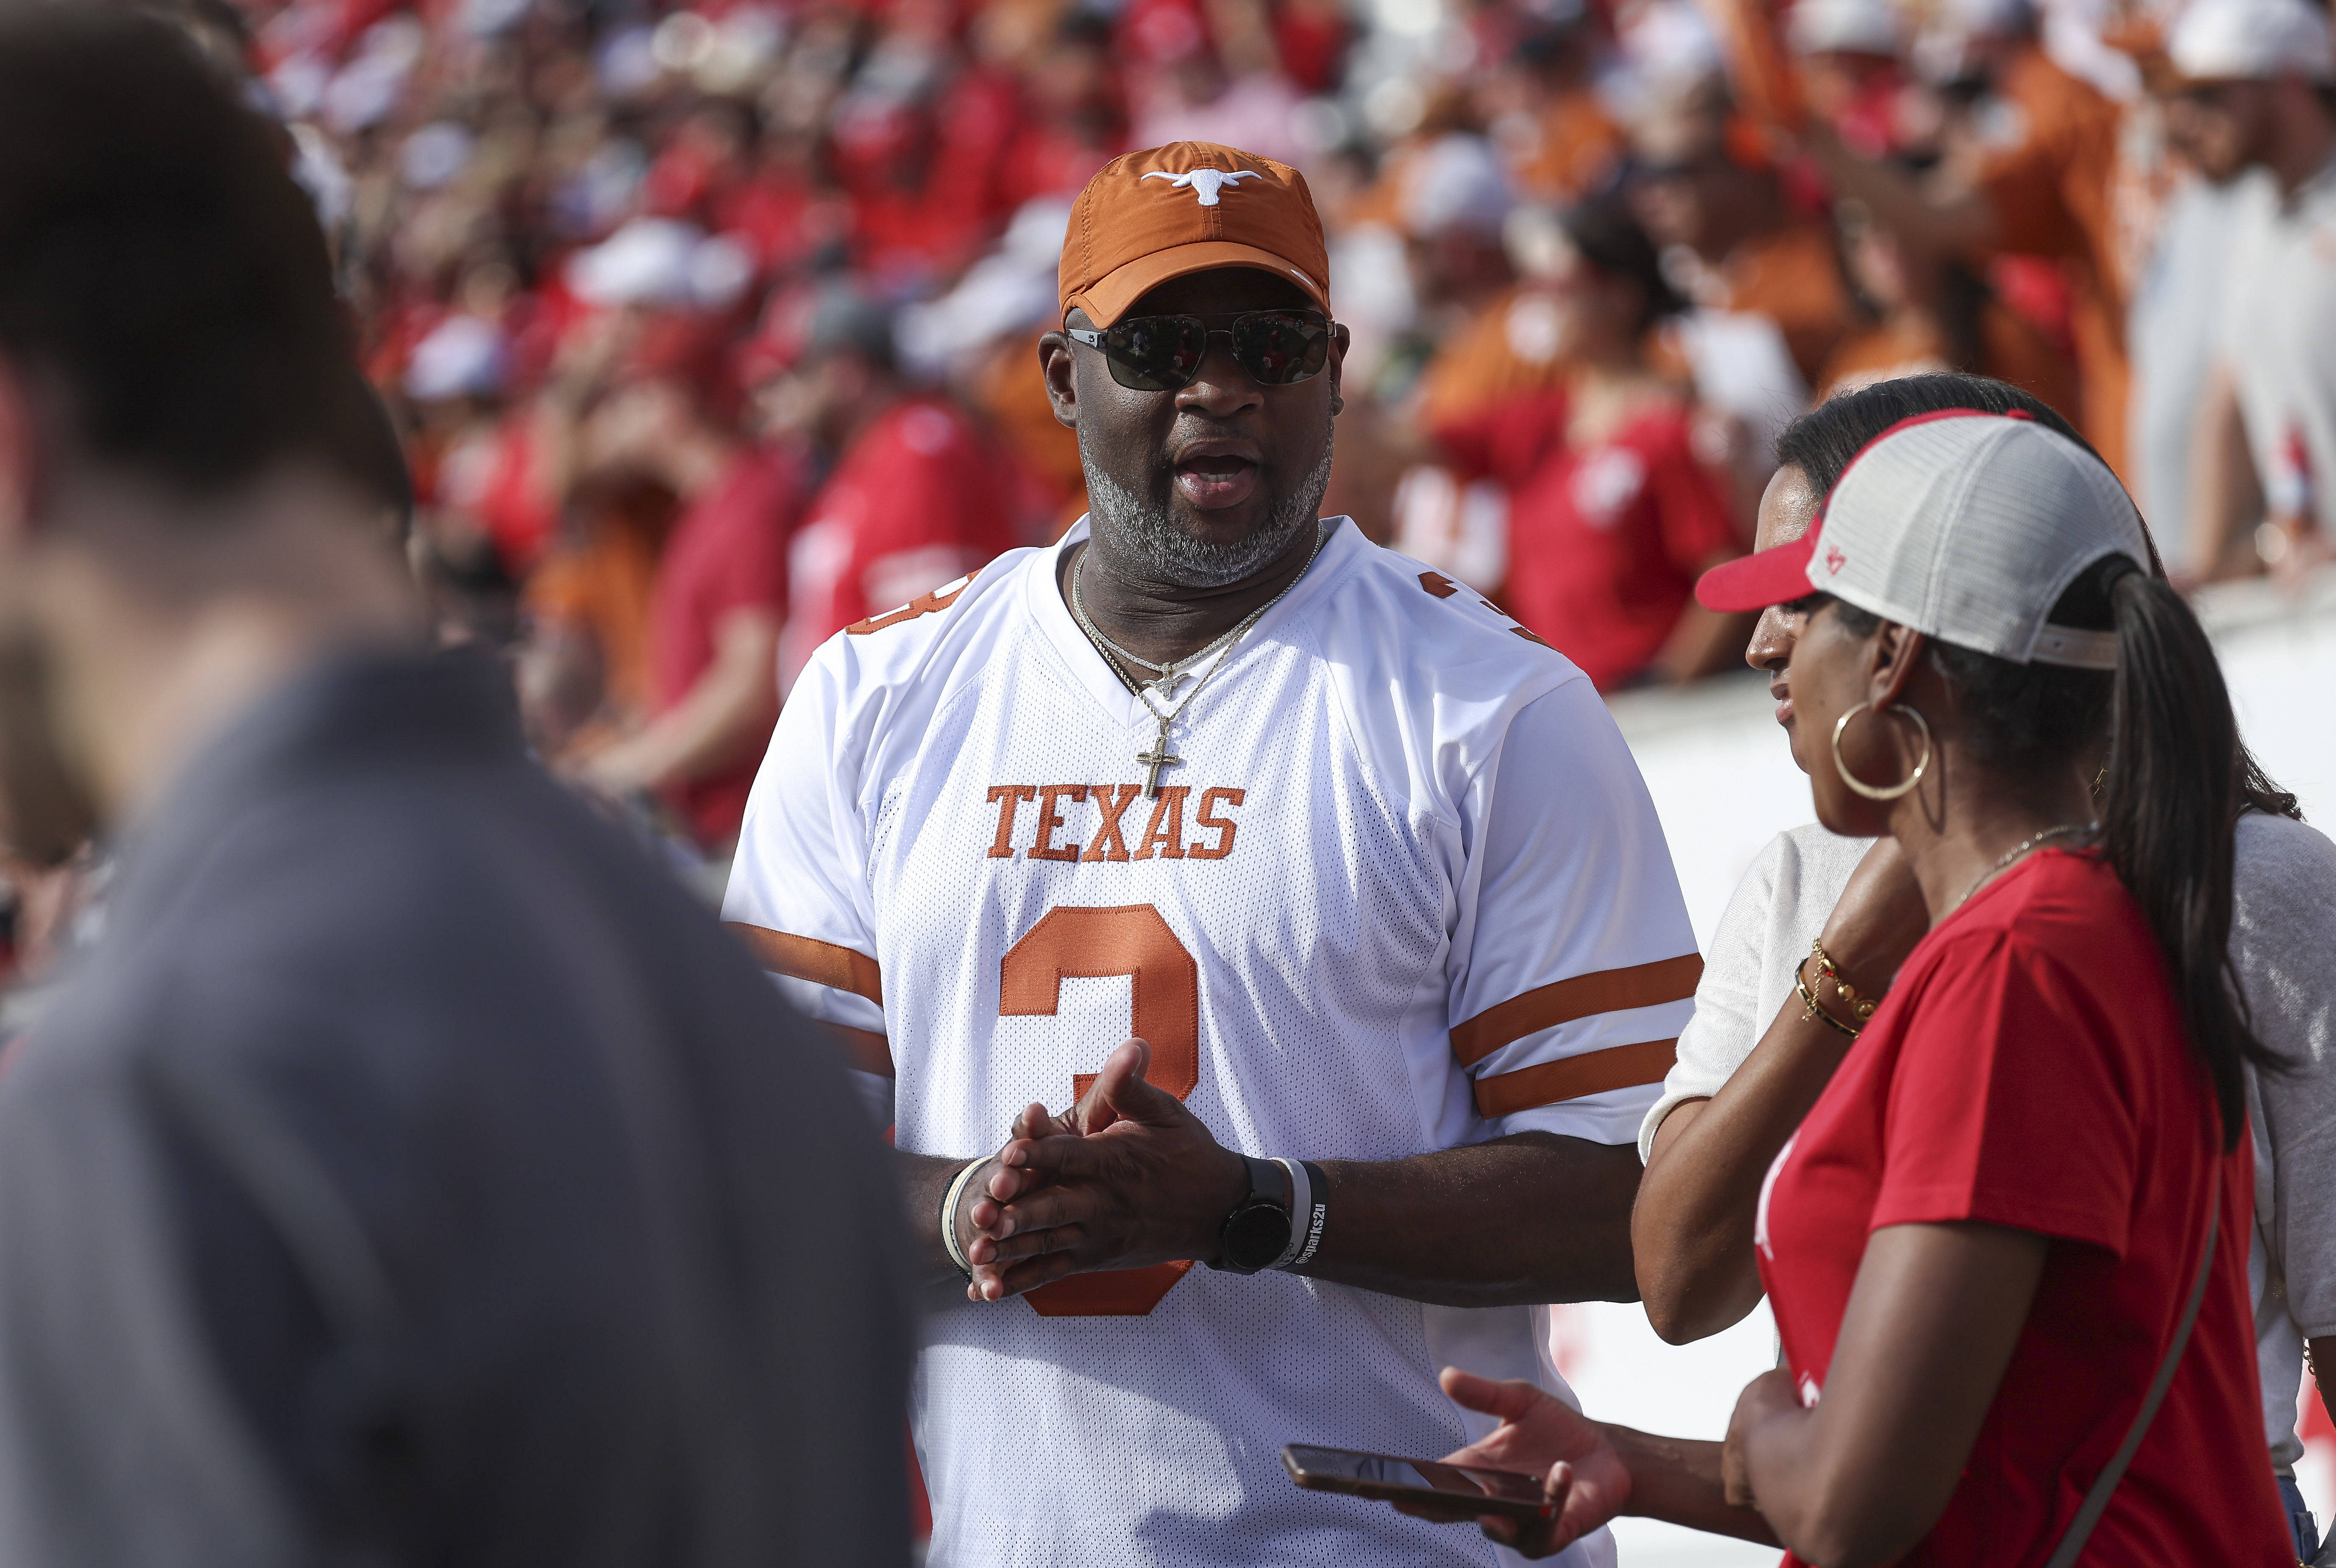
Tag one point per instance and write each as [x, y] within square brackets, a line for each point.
[1147, 538]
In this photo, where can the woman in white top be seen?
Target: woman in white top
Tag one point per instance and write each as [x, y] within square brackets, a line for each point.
[1753, 1060]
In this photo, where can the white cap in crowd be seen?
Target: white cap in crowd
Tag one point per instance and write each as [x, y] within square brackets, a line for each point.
[2252, 40]
[1966, 527]
[1844, 26]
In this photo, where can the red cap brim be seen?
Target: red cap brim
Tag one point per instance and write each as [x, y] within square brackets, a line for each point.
[1777, 575]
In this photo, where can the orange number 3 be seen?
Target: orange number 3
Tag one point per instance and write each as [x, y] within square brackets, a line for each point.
[1081, 943]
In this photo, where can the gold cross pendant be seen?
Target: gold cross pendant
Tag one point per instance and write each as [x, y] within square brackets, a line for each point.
[1155, 759]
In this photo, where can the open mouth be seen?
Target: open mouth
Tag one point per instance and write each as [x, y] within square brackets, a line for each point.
[1213, 479]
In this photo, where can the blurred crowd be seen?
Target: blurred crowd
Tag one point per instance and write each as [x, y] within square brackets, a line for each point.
[711, 330]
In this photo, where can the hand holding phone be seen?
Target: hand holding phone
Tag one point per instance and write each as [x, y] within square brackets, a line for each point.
[1427, 1486]
[1542, 1447]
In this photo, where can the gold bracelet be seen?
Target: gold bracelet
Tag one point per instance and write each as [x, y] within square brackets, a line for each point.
[1809, 1000]
[1862, 1006]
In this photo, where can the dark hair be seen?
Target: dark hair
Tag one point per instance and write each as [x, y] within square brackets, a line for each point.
[157, 258]
[1822, 443]
[1605, 233]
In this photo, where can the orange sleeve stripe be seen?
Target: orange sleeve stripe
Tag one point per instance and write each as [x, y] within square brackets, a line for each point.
[821, 963]
[1594, 1073]
[1583, 997]
[865, 1049]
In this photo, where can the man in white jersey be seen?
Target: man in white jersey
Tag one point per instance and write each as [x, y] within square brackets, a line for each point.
[1363, 863]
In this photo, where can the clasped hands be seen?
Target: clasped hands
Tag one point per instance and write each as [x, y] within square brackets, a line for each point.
[1126, 1178]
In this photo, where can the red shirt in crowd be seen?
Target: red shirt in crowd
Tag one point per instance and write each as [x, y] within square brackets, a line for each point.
[920, 497]
[728, 552]
[1606, 541]
[2031, 1070]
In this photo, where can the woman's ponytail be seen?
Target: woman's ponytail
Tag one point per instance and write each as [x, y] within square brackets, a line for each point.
[2173, 797]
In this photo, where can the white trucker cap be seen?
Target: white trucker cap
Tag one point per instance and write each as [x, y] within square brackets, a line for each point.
[2251, 41]
[1965, 526]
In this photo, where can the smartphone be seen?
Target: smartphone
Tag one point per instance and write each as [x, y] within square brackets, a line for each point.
[1391, 1479]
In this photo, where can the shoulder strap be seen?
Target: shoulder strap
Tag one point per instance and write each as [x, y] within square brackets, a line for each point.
[2097, 1500]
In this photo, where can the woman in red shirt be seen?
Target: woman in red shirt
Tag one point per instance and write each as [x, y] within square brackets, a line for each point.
[2007, 1248]
[1610, 513]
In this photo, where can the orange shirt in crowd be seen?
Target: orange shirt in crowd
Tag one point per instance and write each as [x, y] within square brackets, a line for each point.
[601, 585]
[1510, 350]
[1905, 346]
[1570, 148]
[1792, 276]
[2050, 182]
[1011, 394]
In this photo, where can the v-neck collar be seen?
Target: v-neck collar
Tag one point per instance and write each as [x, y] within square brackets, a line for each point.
[1087, 666]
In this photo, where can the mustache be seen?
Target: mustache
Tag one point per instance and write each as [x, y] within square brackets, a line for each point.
[46, 810]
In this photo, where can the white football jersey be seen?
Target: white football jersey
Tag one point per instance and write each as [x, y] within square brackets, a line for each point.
[1402, 890]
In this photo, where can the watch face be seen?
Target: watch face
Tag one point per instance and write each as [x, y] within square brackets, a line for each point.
[1256, 1236]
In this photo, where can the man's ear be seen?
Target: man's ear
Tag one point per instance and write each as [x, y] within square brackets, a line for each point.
[1059, 367]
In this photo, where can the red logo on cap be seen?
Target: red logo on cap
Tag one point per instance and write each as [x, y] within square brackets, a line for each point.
[1835, 559]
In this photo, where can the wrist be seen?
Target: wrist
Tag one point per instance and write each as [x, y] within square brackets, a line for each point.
[1641, 1456]
[1228, 1186]
[951, 1215]
[1868, 965]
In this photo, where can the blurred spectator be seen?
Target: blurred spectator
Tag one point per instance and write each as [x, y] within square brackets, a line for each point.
[410, 1168]
[2256, 96]
[1902, 287]
[919, 496]
[703, 681]
[1612, 517]
[584, 667]
[1542, 108]
[2033, 178]
[1712, 198]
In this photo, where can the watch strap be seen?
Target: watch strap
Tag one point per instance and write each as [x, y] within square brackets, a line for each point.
[1310, 1221]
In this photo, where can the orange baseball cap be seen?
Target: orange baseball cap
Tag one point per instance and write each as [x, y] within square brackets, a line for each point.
[1188, 206]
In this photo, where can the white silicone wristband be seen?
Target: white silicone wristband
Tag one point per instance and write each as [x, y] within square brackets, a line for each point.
[1301, 1204]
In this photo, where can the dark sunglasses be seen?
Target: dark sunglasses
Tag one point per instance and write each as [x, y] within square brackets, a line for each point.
[1163, 353]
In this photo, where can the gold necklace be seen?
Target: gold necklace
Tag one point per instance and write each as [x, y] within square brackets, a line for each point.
[1157, 756]
[2015, 852]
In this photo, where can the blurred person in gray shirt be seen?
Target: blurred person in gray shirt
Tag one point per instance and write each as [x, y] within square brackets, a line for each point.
[409, 1171]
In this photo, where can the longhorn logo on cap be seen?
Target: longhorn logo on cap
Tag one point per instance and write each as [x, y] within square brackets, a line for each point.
[1205, 183]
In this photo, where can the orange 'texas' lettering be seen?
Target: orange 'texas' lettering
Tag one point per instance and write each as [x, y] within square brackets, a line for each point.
[1050, 817]
[1007, 798]
[1165, 832]
[1224, 827]
[1112, 802]
[1163, 837]
[1164, 1009]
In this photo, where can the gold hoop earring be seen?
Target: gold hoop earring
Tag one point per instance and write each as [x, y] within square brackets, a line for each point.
[1891, 791]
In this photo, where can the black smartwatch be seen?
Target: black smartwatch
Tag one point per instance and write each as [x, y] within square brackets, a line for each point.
[1257, 1232]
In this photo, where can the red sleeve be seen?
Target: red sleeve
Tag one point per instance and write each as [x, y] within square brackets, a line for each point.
[1506, 442]
[753, 553]
[2010, 1104]
[1691, 508]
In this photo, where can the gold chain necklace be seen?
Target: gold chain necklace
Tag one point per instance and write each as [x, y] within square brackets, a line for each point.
[1157, 756]
[2015, 852]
